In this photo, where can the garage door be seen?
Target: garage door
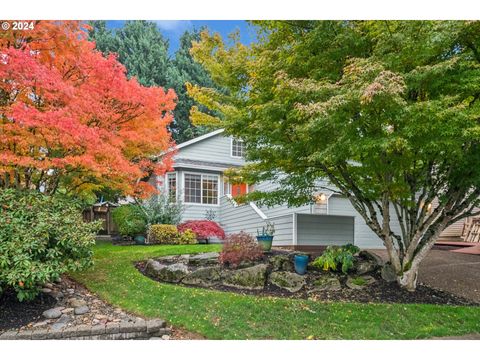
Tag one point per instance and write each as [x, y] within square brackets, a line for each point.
[324, 230]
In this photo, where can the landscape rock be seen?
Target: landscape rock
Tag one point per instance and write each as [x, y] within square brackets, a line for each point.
[388, 273]
[46, 290]
[81, 310]
[287, 280]
[74, 302]
[371, 256]
[252, 278]
[281, 263]
[327, 283]
[365, 267]
[205, 276]
[204, 259]
[359, 282]
[53, 313]
[169, 273]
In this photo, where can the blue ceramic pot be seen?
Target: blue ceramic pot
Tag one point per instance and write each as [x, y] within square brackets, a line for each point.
[301, 262]
[265, 241]
[139, 239]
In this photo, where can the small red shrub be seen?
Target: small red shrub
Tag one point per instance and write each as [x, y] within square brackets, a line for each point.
[238, 248]
[203, 228]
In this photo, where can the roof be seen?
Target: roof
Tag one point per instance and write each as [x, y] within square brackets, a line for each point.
[200, 164]
[199, 138]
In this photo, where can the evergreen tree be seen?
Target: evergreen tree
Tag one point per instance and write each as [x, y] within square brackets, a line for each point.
[192, 72]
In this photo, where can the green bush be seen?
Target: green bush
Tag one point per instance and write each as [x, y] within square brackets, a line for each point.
[169, 234]
[130, 220]
[41, 237]
[160, 210]
[335, 257]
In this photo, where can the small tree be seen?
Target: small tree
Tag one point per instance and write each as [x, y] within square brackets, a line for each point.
[387, 111]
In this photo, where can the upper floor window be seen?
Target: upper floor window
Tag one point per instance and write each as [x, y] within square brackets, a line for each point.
[238, 148]
[201, 189]
[172, 187]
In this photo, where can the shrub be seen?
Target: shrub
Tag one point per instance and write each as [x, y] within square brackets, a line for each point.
[41, 237]
[203, 229]
[335, 257]
[168, 234]
[129, 219]
[238, 248]
[188, 237]
[160, 210]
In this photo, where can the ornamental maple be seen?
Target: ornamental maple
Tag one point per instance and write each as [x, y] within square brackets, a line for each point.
[71, 120]
[204, 229]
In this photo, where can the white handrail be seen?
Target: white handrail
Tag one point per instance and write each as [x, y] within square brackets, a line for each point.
[258, 211]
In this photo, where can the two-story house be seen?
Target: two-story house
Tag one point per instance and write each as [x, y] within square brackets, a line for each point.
[199, 184]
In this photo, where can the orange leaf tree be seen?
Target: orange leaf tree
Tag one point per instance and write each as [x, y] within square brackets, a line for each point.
[71, 121]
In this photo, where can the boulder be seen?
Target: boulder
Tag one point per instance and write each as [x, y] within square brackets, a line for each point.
[169, 273]
[327, 283]
[371, 256]
[204, 276]
[287, 280]
[53, 313]
[204, 259]
[81, 310]
[74, 302]
[281, 263]
[359, 282]
[364, 267]
[388, 273]
[252, 278]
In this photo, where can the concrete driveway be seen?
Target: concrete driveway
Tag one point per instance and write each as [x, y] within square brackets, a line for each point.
[453, 272]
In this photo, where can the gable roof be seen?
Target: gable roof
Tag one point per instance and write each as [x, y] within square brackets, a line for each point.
[200, 138]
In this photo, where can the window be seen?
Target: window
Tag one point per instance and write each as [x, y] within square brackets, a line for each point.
[172, 187]
[238, 148]
[201, 189]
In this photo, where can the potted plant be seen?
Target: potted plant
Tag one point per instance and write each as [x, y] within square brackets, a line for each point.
[265, 237]
[300, 261]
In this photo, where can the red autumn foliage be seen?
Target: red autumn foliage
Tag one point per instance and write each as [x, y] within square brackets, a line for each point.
[238, 248]
[70, 117]
[204, 229]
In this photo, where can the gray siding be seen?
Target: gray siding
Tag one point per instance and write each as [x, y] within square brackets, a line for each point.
[234, 219]
[216, 149]
[324, 230]
[364, 236]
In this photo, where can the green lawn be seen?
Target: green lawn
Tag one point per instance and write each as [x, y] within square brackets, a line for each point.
[220, 315]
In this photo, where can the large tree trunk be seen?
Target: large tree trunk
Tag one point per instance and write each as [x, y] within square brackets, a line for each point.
[408, 279]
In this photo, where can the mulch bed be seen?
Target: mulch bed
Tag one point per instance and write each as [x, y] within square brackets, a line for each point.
[378, 292]
[14, 314]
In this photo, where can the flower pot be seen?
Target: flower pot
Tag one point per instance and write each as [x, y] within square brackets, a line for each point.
[301, 262]
[265, 241]
[139, 239]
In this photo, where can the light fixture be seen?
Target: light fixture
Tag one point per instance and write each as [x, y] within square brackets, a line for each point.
[321, 199]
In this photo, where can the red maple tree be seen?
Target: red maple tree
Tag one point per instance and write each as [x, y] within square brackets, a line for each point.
[70, 118]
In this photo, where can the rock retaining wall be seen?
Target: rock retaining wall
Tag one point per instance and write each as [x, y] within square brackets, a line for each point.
[144, 329]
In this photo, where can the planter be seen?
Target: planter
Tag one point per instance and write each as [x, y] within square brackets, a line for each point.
[301, 262]
[265, 241]
[139, 239]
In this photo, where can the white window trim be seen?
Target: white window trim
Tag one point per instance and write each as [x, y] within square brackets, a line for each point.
[231, 148]
[201, 189]
[167, 186]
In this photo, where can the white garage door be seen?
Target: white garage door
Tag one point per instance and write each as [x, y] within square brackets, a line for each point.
[324, 230]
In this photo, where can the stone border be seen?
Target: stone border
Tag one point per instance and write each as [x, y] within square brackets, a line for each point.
[144, 329]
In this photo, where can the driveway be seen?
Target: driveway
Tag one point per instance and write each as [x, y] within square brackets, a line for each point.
[456, 273]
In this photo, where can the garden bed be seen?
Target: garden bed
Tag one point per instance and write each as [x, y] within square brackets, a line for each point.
[14, 314]
[274, 276]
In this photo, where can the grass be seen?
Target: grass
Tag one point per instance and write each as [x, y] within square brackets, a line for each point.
[222, 315]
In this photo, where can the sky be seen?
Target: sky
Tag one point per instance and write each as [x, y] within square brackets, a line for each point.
[173, 29]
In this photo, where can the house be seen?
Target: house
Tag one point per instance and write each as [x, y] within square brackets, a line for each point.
[199, 183]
